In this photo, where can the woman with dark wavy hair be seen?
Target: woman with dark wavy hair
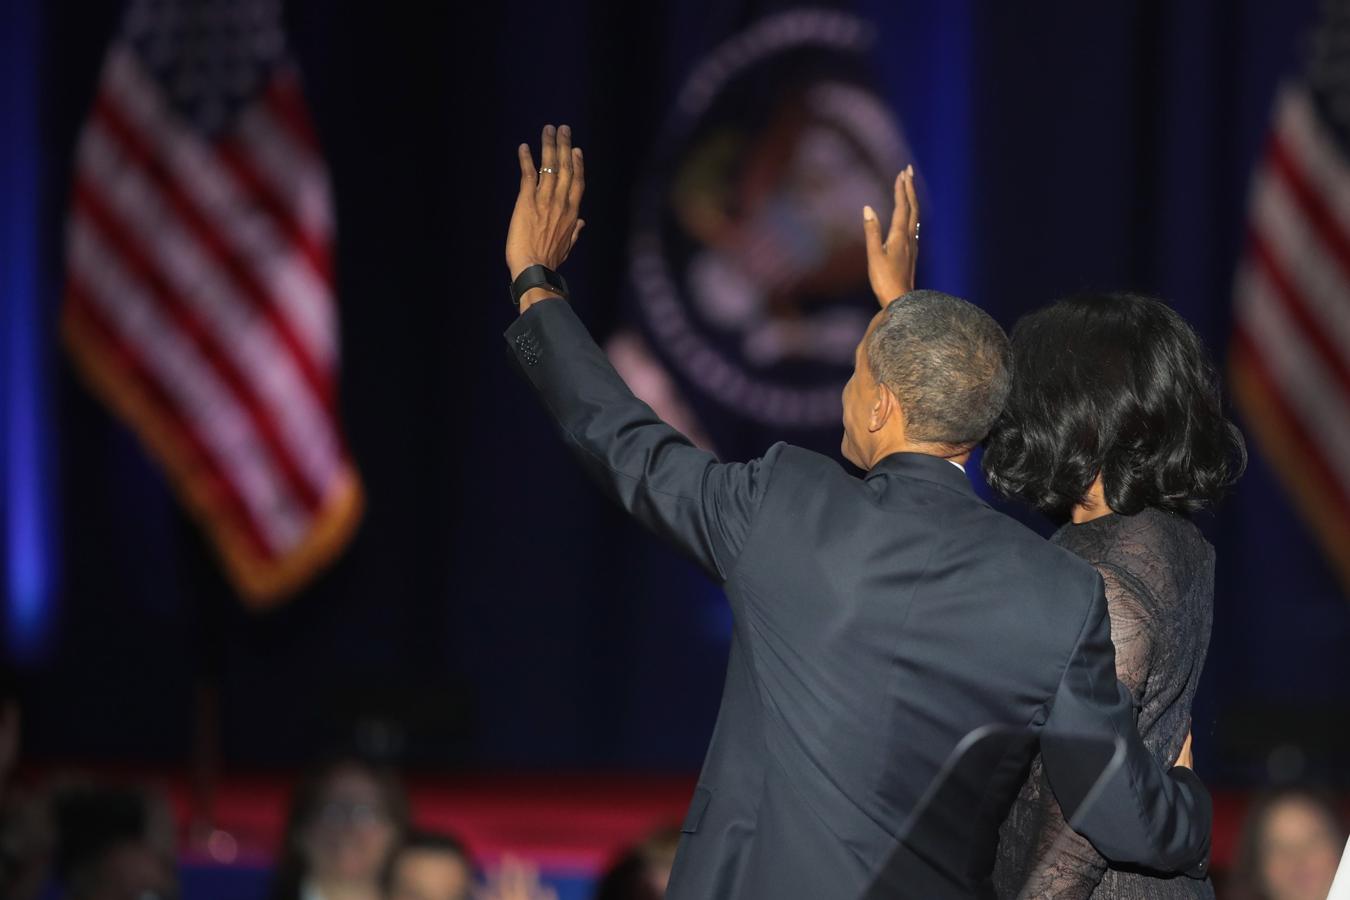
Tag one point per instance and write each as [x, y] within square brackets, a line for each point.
[1115, 424]
[346, 817]
[1290, 846]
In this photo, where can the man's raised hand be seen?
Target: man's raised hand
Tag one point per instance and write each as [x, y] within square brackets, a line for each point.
[544, 225]
[891, 258]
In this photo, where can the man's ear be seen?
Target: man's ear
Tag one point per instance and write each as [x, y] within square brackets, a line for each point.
[884, 405]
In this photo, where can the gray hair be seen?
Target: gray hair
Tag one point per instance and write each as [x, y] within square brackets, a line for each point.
[947, 362]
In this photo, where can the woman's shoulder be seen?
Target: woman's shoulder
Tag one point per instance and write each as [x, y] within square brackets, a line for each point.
[1155, 552]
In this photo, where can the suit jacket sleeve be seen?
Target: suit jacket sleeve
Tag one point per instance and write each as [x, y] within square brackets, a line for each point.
[678, 491]
[1141, 815]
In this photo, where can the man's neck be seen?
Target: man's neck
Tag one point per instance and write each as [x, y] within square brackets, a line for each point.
[959, 457]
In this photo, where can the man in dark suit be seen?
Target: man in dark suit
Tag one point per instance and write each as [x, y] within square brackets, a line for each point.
[878, 620]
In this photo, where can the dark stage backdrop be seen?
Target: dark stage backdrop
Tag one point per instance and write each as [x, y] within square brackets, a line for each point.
[493, 611]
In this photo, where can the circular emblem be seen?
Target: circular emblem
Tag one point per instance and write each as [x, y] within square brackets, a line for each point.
[747, 252]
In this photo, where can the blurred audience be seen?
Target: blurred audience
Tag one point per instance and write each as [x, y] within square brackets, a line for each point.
[125, 870]
[641, 872]
[345, 820]
[26, 833]
[429, 866]
[114, 844]
[515, 879]
[1290, 846]
[9, 727]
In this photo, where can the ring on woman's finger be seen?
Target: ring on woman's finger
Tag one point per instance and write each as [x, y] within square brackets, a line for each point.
[547, 170]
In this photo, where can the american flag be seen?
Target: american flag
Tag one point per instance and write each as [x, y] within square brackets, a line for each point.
[1291, 351]
[199, 295]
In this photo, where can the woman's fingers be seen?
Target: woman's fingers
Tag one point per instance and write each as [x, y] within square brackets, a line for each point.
[905, 219]
[900, 217]
[913, 197]
[1184, 758]
[872, 236]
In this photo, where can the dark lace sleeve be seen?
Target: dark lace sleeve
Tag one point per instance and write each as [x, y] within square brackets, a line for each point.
[1063, 863]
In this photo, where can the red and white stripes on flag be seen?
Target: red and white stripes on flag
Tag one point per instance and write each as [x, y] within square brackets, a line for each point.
[1291, 352]
[200, 305]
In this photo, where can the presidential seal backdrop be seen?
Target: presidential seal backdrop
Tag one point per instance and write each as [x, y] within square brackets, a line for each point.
[747, 254]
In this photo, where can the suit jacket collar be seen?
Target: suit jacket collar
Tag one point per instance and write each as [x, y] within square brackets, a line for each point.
[925, 467]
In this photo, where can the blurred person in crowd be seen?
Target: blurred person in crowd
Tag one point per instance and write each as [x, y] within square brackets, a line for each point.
[9, 727]
[642, 872]
[345, 819]
[1115, 423]
[115, 843]
[26, 832]
[428, 866]
[124, 870]
[879, 620]
[1291, 844]
[515, 878]
[11, 839]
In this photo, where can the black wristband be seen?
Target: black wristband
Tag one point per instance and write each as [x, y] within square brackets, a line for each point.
[534, 277]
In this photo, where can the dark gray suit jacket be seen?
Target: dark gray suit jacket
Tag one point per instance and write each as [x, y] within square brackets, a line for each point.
[878, 621]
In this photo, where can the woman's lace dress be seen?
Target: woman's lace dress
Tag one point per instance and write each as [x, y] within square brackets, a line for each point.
[1159, 574]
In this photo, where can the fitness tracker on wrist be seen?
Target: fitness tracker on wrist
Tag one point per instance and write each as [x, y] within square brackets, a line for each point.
[537, 276]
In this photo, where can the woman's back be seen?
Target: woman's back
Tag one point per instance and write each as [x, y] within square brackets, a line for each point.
[1159, 574]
